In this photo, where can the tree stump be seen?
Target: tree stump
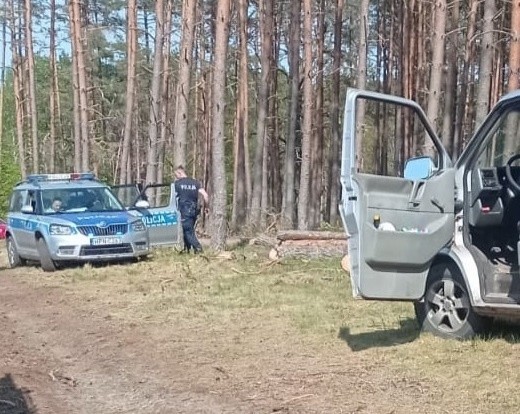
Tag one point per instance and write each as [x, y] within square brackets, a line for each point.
[309, 244]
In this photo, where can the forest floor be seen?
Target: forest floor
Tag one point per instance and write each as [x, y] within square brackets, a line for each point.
[239, 334]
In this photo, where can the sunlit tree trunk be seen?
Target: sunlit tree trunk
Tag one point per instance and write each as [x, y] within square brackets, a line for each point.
[514, 48]
[451, 89]
[218, 199]
[81, 127]
[18, 90]
[486, 62]
[289, 183]
[182, 96]
[75, 91]
[155, 96]
[165, 91]
[241, 173]
[318, 132]
[465, 80]
[334, 154]
[131, 52]
[2, 77]
[33, 117]
[266, 50]
[437, 65]
[362, 72]
[308, 99]
[53, 95]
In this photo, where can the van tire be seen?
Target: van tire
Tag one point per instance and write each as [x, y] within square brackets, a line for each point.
[445, 310]
[46, 262]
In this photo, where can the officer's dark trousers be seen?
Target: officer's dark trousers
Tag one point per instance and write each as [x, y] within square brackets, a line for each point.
[190, 238]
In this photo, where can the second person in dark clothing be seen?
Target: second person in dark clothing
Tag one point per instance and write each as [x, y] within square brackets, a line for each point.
[188, 190]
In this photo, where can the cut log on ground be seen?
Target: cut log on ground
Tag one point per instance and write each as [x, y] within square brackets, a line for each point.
[309, 244]
[310, 235]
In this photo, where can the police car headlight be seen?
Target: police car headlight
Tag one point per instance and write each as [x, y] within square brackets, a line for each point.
[60, 230]
[138, 226]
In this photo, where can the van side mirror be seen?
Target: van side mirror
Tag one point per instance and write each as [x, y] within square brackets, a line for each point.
[418, 168]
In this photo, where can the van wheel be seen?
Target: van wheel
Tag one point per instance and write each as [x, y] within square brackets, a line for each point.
[12, 254]
[46, 262]
[446, 309]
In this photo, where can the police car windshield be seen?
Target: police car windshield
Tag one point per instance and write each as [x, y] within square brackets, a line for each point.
[77, 200]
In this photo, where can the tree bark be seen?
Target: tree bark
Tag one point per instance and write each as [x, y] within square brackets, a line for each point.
[131, 52]
[33, 116]
[289, 196]
[219, 196]
[486, 62]
[241, 173]
[361, 76]
[18, 92]
[180, 126]
[334, 154]
[305, 177]
[436, 72]
[318, 135]
[451, 89]
[266, 28]
[155, 96]
[514, 48]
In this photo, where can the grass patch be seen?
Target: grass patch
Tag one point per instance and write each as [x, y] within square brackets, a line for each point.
[313, 299]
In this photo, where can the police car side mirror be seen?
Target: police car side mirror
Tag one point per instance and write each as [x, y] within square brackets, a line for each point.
[142, 204]
[28, 209]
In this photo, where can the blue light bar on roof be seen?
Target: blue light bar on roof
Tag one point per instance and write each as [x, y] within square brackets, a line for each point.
[61, 177]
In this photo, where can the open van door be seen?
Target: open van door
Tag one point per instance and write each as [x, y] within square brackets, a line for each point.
[396, 224]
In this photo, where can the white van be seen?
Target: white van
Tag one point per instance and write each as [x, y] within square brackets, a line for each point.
[443, 236]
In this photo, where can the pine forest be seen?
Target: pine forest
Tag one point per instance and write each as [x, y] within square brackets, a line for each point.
[248, 95]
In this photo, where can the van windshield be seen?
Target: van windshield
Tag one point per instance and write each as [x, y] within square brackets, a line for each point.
[76, 200]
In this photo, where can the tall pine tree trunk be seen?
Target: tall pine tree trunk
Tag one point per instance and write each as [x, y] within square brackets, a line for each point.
[33, 117]
[266, 27]
[155, 96]
[218, 204]
[18, 90]
[180, 126]
[131, 52]
[334, 154]
[305, 177]
[289, 196]
[241, 173]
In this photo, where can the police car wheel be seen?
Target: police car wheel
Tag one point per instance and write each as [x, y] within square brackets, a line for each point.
[46, 262]
[12, 254]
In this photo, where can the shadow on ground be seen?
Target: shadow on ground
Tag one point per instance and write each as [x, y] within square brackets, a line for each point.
[407, 332]
[14, 400]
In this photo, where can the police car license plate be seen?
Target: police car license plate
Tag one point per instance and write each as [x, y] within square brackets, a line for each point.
[99, 241]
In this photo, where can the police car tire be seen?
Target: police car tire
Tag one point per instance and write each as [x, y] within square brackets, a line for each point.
[46, 262]
[13, 257]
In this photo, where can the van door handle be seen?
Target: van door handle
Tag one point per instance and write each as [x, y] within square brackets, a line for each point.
[438, 204]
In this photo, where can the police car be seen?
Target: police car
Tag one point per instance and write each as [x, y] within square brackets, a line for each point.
[60, 218]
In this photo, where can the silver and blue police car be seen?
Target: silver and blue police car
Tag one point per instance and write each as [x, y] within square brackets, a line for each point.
[61, 218]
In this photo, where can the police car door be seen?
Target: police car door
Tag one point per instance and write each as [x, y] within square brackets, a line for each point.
[396, 224]
[161, 217]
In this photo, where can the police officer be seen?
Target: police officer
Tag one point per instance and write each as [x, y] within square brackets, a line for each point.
[188, 190]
